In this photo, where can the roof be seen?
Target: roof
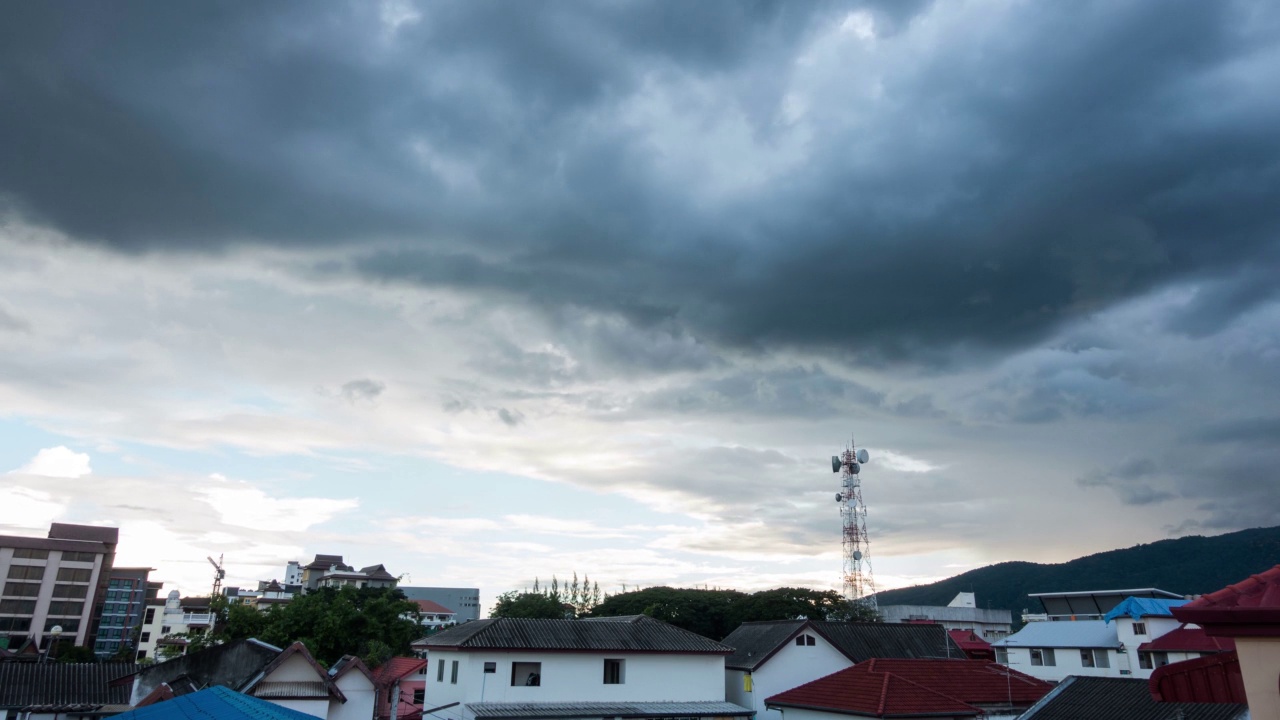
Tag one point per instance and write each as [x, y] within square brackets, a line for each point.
[1249, 607]
[1101, 698]
[896, 684]
[755, 642]
[292, 690]
[214, 703]
[1189, 639]
[347, 664]
[1094, 602]
[536, 711]
[24, 684]
[1140, 607]
[1216, 678]
[297, 648]
[859, 690]
[394, 669]
[430, 606]
[968, 640]
[35, 543]
[87, 533]
[324, 562]
[235, 664]
[635, 633]
[377, 571]
[1066, 634]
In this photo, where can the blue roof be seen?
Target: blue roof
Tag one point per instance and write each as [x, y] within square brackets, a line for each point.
[215, 703]
[1139, 607]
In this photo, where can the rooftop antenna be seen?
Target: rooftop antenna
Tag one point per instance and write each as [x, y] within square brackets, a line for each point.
[859, 585]
[218, 575]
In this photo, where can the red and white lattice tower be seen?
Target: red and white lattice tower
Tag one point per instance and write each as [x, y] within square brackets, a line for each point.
[859, 585]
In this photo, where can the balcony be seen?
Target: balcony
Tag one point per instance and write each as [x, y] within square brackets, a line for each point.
[190, 619]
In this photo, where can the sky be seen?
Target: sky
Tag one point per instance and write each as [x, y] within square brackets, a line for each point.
[488, 292]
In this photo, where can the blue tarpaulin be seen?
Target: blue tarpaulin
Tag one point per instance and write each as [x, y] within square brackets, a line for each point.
[1137, 608]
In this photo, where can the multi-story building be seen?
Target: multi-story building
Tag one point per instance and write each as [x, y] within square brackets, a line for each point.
[167, 623]
[962, 613]
[331, 571]
[464, 602]
[54, 587]
[128, 591]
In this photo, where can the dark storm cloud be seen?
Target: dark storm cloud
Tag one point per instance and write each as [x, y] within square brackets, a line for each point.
[1016, 169]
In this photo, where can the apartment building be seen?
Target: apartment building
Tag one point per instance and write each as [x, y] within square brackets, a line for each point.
[54, 586]
[123, 607]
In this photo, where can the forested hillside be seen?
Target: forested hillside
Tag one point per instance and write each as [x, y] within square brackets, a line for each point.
[1188, 565]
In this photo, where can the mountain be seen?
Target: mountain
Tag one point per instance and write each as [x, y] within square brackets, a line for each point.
[1189, 565]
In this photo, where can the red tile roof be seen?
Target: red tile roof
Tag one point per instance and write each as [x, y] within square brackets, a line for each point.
[430, 606]
[1189, 639]
[1249, 607]
[968, 640]
[1212, 679]
[394, 669]
[906, 687]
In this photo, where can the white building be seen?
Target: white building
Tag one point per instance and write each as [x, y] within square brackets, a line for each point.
[465, 602]
[1089, 604]
[634, 667]
[1054, 650]
[962, 613]
[1138, 621]
[177, 616]
[772, 657]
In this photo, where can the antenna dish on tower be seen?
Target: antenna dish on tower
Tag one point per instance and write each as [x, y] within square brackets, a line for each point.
[835, 463]
[863, 456]
[859, 586]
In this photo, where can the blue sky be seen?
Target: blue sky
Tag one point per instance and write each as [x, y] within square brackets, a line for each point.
[487, 292]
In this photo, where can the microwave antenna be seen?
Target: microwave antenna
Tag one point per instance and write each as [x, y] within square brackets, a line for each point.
[859, 585]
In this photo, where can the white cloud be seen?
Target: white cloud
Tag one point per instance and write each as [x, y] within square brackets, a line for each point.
[59, 462]
[243, 505]
[903, 462]
[28, 508]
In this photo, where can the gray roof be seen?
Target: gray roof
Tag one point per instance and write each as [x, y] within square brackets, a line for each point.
[295, 689]
[756, 642]
[1064, 634]
[25, 684]
[234, 665]
[1097, 698]
[635, 633]
[548, 711]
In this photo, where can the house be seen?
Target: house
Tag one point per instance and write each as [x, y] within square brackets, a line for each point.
[49, 691]
[401, 681]
[163, 624]
[1186, 642]
[633, 666]
[1054, 650]
[433, 616]
[1248, 612]
[215, 702]
[289, 678]
[331, 571]
[355, 681]
[55, 586]
[1104, 698]
[962, 613]
[1138, 621]
[894, 688]
[770, 657]
[973, 646]
[465, 602]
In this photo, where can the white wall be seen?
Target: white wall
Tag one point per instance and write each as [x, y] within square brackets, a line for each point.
[1259, 666]
[360, 698]
[1067, 661]
[791, 666]
[575, 677]
[294, 669]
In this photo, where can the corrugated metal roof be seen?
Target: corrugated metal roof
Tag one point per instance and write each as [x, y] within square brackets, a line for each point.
[553, 711]
[215, 703]
[1066, 634]
[24, 684]
[1100, 698]
[756, 642]
[634, 634]
[291, 689]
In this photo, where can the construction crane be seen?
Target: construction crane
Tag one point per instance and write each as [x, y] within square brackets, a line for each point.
[218, 575]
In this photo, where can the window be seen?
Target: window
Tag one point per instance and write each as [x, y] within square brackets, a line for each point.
[613, 672]
[66, 607]
[1002, 655]
[1151, 660]
[491, 667]
[74, 575]
[80, 557]
[165, 629]
[1094, 658]
[75, 592]
[1139, 628]
[30, 554]
[146, 637]
[16, 624]
[440, 671]
[151, 615]
[21, 589]
[18, 607]
[527, 674]
[1042, 656]
[142, 654]
[26, 572]
[453, 673]
[419, 696]
[803, 640]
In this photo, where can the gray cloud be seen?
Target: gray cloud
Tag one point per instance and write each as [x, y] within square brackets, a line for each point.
[362, 389]
[510, 418]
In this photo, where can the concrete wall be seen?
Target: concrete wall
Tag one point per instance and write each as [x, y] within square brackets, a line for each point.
[575, 677]
[360, 698]
[1260, 666]
[1067, 661]
[791, 666]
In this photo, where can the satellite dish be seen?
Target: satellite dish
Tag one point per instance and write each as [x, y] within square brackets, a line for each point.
[835, 463]
[839, 497]
[857, 554]
[863, 456]
[854, 468]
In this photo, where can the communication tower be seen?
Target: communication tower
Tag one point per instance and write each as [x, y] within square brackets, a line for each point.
[859, 585]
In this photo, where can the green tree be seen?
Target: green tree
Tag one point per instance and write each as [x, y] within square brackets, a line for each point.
[528, 605]
[788, 603]
[242, 621]
[709, 613]
[347, 621]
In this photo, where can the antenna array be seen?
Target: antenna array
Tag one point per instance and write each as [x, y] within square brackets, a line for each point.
[859, 585]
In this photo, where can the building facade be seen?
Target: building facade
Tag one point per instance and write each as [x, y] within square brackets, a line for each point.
[464, 602]
[164, 622]
[123, 608]
[54, 586]
[962, 613]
